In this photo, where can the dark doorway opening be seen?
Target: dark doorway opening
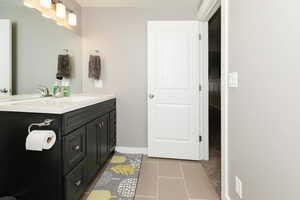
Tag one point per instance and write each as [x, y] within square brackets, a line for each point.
[213, 166]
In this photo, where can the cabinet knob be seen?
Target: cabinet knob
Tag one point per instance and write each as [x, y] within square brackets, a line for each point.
[76, 148]
[78, 183]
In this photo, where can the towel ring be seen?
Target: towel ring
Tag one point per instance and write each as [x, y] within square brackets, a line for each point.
[47, 122]
[96, 51]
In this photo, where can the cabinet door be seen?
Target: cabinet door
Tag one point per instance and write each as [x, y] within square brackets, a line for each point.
[112, 130]
[103, 140]
[92, 149]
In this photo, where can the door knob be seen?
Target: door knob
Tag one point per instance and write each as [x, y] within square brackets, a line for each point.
[151, 96]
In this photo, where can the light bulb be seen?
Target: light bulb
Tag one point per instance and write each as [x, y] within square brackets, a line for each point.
[46, 3]
[72, 19]
[28, 5]
[46, 16]
[60, 10]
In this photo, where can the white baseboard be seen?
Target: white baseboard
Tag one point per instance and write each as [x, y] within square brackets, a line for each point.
[138, 150]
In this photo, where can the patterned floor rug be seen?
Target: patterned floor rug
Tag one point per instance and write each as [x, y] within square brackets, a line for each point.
[120, 178]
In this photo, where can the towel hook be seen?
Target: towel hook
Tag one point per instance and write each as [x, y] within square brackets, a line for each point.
[96, 51]
[47, 122]
[65, 51]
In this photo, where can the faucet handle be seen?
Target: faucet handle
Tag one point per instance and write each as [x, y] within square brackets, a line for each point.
[44, 90]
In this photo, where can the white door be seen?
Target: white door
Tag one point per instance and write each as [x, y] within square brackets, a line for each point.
[5, 58]
[173, 89]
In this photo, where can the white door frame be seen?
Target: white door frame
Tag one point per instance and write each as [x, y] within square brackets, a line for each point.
[205, 12]
[6, 52]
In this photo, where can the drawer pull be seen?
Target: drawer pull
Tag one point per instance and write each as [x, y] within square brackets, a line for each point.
[76, 148]
[78, 183]
[100, 125]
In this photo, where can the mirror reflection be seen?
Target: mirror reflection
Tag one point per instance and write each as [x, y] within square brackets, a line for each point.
[36, 53]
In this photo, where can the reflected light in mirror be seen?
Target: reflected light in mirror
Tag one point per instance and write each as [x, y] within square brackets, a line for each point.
[51, 12]
[46, 16]
[60, 10]
[46, 3]
[72, 19]
[28, 5]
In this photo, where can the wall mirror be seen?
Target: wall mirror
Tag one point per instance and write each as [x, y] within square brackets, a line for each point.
[30, 44]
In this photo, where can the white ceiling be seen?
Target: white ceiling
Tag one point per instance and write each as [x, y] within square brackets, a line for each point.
[138, 3]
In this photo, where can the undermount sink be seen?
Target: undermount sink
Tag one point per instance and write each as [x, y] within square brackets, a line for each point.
[67, 99]
[50, 101]
[56, 101]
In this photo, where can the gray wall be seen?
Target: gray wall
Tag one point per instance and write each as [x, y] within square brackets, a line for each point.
[120, 35]
[264, 111]
[36, 43]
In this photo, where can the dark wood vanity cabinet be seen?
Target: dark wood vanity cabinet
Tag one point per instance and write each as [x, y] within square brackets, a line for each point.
[85, 140]
[98, 142]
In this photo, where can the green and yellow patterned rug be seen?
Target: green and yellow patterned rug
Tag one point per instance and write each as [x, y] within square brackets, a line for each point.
[120, 178]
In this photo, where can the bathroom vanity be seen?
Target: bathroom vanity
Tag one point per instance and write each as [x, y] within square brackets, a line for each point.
[85, 128]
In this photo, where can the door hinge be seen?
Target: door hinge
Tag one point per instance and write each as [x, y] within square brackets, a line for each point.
[200, 138]
[200, 37]
[200, 87]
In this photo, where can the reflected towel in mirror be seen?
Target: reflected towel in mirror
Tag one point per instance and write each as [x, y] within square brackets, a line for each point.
[63, 66]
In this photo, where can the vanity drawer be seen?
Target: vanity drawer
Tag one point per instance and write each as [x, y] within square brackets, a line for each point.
[75, 182]
[74, 148]
[78, 118]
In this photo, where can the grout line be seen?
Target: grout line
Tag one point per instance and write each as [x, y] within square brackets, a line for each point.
[170, 177]
[147, 196]
[157, 182]
[184, 182]
[191, 163]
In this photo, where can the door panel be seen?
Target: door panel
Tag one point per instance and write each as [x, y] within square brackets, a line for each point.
[173, 81]
[92, 150]
[103, 139]
[171, 115]
[5, 57]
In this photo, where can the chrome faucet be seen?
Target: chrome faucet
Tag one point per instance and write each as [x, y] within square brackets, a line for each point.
[45, 91]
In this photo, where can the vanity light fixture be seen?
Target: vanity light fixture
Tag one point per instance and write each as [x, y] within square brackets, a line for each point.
[72, 19]
[56, 10]
[28, 5]
[46, 3]
[60, 10]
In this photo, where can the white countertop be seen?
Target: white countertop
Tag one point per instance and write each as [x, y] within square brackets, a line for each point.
[50, 105]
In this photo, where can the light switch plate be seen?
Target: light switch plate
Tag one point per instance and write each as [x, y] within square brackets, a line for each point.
[233, 80]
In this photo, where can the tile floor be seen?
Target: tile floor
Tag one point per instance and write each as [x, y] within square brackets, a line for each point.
[167, 179]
